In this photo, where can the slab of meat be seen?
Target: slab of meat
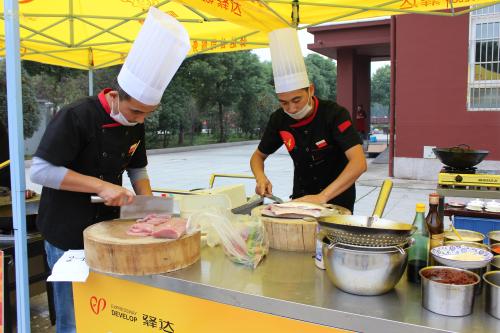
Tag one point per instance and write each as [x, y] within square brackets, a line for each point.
[155, 219]
[293, 209]
[173, 229]
[159, 226]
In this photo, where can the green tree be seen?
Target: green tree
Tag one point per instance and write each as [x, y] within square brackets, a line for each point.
[323, 73]
[31, 114]
[381, 86]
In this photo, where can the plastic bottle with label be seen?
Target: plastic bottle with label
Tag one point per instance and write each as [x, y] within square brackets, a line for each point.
[318, 258]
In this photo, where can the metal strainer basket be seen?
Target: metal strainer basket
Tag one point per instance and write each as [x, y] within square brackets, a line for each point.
[365, 231]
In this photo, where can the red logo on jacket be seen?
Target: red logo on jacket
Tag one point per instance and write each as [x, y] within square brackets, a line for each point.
[288, 140]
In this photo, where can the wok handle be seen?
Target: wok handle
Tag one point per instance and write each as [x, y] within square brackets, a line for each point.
[383, 196]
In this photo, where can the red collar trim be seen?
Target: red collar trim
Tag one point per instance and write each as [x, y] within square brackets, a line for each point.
[102, 99]
[307, 120]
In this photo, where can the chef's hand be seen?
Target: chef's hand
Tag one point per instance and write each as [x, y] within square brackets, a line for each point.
[314, 198]
[263, 186]
[115, 195]
[28, 194]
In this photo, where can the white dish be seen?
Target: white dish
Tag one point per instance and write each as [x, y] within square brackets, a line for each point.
[476, 203]
[449, 255]
[456, 204]
[474, 208]
[492, 210]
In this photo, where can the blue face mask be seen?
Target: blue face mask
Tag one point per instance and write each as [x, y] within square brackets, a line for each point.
[303, 112]
[119, 117]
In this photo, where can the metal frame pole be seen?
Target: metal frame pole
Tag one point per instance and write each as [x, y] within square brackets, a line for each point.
[16, 146]
[91, 82]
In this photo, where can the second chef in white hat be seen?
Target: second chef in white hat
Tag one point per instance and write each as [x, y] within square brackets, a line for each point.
[90, 143]
[319, 135]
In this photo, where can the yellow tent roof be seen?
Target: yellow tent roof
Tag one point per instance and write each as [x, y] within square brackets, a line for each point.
[90, 34]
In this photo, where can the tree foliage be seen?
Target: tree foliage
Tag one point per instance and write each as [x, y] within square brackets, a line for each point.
[31, 114]
[227, 94]
[323, 73]
[381, 86]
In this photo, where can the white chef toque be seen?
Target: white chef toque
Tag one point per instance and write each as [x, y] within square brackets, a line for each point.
[289, 69]
[157, 52]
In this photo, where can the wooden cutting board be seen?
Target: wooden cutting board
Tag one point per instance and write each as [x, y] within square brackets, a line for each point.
[292, 234]
[109, 249]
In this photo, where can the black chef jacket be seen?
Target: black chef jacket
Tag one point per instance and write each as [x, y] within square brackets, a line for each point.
[84, 138]
[317, 145]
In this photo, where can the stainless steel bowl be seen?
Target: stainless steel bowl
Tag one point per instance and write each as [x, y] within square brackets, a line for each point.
[467, 235]
[471, 244]
[492, 283]
[494, 237]
[364, 270]
[495, 263]
[448, 299]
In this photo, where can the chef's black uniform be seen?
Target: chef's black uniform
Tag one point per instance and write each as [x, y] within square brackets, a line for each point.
[84, 138]
[317, 145]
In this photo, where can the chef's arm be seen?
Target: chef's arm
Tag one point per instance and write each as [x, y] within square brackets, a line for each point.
[354, 168]
[263, 186]
[140, 180]
[61, 178]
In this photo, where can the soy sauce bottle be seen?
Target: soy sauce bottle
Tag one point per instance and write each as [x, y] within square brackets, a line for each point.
[435, 225]
[417, 254]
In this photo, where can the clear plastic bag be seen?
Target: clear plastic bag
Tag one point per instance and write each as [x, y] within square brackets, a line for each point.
[243, 237]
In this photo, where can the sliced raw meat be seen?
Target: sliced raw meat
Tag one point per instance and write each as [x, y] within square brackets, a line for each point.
[140, 229]
[173, 229]
[293, 210]
[154, 219]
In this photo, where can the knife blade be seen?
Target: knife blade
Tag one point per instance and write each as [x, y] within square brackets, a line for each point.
[274, 198]
[143, 205]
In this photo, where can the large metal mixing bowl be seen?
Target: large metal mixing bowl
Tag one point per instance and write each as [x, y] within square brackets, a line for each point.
[363, 270]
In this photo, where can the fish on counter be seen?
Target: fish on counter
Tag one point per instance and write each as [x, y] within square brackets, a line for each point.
[159, 226]
[293, 209]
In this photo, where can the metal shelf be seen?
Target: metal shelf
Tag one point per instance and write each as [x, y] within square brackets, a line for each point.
[450, 192]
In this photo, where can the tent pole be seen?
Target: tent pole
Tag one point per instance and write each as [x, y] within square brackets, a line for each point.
[91, 82]
[16, 146]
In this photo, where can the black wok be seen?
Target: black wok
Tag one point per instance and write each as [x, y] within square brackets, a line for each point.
[460, 157]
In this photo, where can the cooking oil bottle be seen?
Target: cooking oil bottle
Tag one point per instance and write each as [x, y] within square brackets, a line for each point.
[417, 254]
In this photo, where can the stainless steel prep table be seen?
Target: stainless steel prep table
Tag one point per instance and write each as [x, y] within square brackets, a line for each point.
[288, 284]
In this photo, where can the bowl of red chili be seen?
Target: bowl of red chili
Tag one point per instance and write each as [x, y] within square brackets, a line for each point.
[447, 290]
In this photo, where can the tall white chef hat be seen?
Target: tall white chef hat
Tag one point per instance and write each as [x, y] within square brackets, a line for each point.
[158, 51]
[289, 69]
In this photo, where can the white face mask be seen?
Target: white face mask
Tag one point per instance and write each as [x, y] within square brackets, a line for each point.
[119, 117]
[302, 113]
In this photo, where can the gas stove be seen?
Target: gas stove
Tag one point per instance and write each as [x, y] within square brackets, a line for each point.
[469, 178]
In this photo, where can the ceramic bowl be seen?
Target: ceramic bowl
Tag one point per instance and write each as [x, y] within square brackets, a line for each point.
[448, 255]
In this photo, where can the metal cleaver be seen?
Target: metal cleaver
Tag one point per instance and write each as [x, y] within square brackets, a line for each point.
[143, 205]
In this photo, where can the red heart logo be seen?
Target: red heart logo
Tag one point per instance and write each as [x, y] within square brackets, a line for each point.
[97, 305]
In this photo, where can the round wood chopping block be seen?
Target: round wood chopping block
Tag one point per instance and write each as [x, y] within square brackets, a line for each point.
[293, 234]
[109, 249]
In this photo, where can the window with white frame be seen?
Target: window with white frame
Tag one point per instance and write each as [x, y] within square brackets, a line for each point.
[484, 62]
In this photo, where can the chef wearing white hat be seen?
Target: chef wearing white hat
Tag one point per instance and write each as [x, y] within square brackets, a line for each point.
[319, 136]
[90, 143]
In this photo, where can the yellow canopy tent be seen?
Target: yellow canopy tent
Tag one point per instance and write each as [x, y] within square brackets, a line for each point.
[92, 34]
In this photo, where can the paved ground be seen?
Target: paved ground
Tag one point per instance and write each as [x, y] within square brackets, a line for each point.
[183, 170]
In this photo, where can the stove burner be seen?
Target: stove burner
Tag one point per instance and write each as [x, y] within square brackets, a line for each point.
[449, 169]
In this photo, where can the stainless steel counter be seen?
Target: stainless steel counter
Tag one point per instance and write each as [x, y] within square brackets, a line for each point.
[288, 284]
